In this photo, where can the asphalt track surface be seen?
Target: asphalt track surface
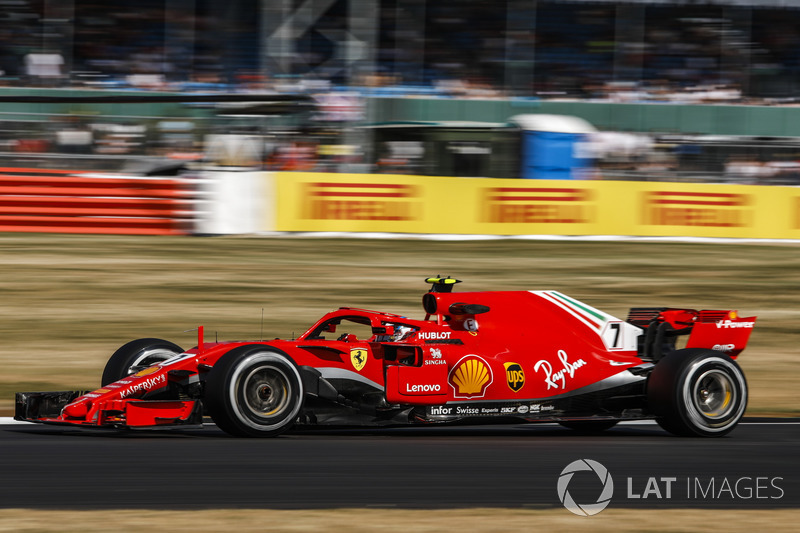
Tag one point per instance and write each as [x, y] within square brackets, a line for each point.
[517, 466]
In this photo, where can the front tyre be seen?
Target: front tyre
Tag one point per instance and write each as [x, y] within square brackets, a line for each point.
[137, 355]
[697, 392]
[254, 391]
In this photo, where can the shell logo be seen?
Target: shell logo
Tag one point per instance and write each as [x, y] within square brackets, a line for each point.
[470, 377]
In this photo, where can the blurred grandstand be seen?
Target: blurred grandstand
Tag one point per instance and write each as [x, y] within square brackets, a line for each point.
[734, 52]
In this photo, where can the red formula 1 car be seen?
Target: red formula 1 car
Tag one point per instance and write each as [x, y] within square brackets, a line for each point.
[536, 356]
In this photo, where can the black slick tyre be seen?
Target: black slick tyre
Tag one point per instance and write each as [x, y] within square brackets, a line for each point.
[137, 355]
[697, 392]
[254, 391]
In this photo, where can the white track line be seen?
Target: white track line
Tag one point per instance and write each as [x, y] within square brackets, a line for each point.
[8, 421]
[477, 237]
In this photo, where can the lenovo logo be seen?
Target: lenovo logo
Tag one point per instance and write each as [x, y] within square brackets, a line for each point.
[538, 205]
[360, 201]
[676, 208]
[417, 389]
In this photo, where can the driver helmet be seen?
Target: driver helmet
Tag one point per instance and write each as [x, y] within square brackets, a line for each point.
[401, 332]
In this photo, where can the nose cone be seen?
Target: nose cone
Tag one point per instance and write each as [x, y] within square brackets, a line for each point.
[77, 409]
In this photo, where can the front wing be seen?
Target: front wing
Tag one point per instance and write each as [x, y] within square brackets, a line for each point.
[47, 407]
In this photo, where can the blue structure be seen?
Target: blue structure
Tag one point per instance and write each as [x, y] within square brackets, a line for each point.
[553, 147]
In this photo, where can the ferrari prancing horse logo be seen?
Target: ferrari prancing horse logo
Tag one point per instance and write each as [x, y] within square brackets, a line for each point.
[358, 356]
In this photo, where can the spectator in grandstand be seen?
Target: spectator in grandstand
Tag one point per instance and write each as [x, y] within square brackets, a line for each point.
[44, 69]
[72, 137]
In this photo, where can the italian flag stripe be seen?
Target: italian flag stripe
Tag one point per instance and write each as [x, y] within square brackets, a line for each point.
[583, 307]
[586, 319]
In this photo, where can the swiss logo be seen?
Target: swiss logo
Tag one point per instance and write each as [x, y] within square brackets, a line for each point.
[515, 376]
[358, 356]
[470, 377]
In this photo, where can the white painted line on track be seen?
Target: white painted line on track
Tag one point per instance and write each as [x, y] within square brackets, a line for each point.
[770, 423]
[478, 237]
[8, 421]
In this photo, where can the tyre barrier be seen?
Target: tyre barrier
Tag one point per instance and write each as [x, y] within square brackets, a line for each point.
[66, 201]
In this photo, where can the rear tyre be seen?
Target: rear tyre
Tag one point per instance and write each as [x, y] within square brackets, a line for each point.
[137, 355]
[589, 426]
[697, 392]
[254, 391]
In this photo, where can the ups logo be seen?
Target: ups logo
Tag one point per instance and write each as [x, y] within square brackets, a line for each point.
[515, 376]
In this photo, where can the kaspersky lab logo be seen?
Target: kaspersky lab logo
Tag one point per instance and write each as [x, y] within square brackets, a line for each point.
[591, 508]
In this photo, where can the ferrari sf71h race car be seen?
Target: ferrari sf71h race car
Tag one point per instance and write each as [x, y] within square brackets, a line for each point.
[499, 356]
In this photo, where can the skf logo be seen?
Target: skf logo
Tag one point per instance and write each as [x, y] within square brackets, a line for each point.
[537, 205]
[360, 201]
[515, 376]
[705, 209]
[470, 377]
[358, 356]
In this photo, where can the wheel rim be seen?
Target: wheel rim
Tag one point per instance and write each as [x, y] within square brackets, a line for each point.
[149, 358]
[266, 392]
[714, 394]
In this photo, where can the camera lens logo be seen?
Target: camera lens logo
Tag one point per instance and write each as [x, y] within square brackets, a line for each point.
[585, 509]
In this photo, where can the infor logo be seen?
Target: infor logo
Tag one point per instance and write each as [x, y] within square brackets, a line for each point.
[585, 509]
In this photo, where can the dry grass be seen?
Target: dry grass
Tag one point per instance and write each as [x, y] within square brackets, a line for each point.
[400, 521]
[67, 302]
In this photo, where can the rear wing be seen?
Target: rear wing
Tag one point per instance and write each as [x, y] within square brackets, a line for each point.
[721, 330]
